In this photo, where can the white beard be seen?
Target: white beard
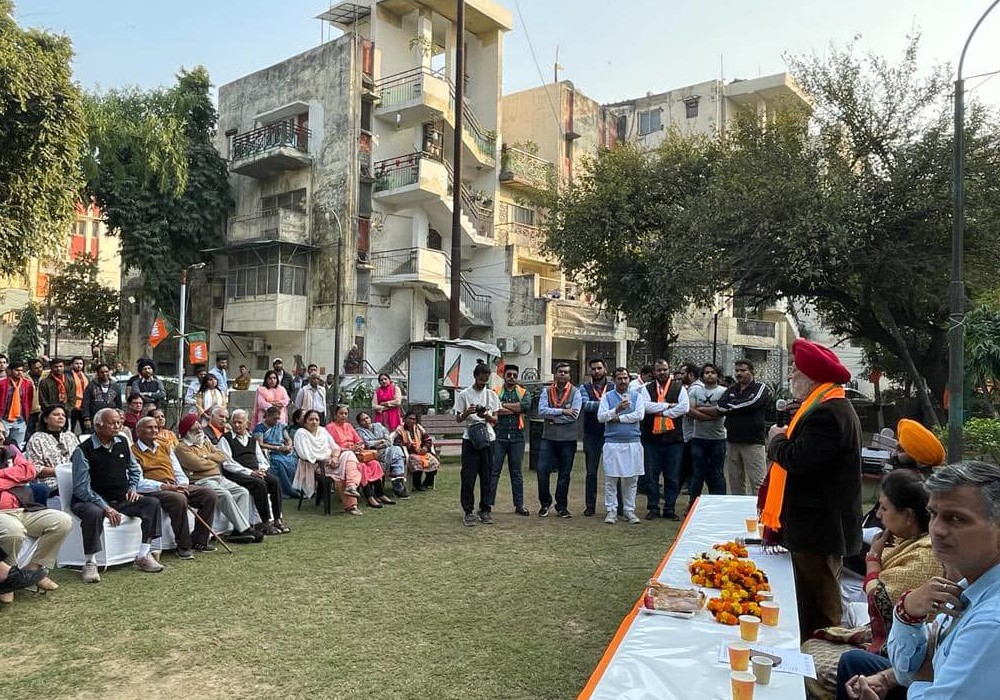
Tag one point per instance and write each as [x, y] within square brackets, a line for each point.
[195, 440]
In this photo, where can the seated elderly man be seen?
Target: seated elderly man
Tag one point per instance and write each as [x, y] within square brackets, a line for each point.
[201, 462]
[955, 655]
[21, 516]
[105, 485]
[248, 467]
[165, 480]
[218, 424]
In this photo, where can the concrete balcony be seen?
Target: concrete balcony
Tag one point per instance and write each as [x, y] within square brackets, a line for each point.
[274, 225]
[418, 268]
[410, 98]
[522, 235]
[525, 172]
[271, 312]
[410, 179]
[270, 150]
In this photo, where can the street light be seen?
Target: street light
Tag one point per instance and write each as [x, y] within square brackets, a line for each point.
[956, 330]
[183, 337]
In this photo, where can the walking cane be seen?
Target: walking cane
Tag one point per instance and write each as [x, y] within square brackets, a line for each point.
[209, 528]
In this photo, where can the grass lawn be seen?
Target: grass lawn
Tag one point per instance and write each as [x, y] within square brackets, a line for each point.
[404, 602]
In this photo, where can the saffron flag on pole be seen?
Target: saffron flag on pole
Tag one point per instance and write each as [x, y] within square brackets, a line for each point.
[197, 348]
[160, 330]
[451, 376]
[501, 367]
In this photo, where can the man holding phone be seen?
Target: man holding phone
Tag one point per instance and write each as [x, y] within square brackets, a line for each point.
[476, 406]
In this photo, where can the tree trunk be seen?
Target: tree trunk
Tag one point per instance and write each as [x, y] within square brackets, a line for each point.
[930, 416]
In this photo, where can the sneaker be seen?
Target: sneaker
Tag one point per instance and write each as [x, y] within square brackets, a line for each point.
[521, 510]
[610, 518]
[565, 513]
[18, 578]
[89, 573]
[652, 515]
[352, 490]
[470, 520]
[486, 518]
[632, 519]
[204, 547]
[148, 564]
[543, 511]
[588, 511]
[183, 553]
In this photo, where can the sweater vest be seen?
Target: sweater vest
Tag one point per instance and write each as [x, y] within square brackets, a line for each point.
[245, 455]
[156, 465]
[675, 435]
[108, 469]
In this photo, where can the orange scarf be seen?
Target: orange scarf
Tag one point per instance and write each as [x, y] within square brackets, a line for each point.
[60, 381]
[80, 379]
[560, 401]
[14, 412]
[662, 424]
[771, 515]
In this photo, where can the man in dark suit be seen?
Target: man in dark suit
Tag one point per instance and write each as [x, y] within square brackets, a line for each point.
[813, 489]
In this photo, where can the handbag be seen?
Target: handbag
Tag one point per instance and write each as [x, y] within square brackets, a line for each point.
[367, 456]
[479, 436]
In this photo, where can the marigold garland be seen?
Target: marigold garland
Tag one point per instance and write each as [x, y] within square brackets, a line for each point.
[738, 579]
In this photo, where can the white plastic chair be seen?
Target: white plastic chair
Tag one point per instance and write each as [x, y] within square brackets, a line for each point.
[120, 544]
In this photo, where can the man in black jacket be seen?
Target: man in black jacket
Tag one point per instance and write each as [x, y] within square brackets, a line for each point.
[744, 405]
[285, 379]
[820, 503]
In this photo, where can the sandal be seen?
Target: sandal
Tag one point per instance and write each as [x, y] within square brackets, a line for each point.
[386, 500]
[355, 511]
[281, 526]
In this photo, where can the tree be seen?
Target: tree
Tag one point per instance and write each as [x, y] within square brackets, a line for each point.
[159, 180]
[86, 307]
[982, 354]
[42, 131]
[26, 340]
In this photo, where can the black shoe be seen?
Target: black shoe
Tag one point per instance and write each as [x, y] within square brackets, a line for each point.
[401, 496]
[184, 553]
[543, 511]
[245, 537]
[672, 516]
[652, 515]
[18, 578]
[521, 510]
[485, 517]
[204, 547]
[565, 513]
[588, 511]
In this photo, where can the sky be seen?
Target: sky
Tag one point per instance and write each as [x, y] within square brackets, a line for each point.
[610, 50]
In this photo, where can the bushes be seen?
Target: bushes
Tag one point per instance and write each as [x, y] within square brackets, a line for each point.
[981, 437]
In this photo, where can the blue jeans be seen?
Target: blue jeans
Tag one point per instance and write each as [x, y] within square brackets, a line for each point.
[16, 431]
[558, 454]
[510, 444]
[857, 662]
[663, 458]
[708, 466]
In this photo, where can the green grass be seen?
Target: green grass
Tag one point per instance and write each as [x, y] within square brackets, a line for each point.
[401, 603]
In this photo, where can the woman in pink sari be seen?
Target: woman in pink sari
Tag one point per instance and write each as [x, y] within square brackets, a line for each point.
[387, 402]
[270, 393]
[347, 438]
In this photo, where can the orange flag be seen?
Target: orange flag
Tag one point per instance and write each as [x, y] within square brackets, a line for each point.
[501, 367]
[451, 376]
[197, 348]
[159, 332]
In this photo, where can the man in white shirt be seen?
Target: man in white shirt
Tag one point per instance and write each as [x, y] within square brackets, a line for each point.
[312, 397]
[247, 466]
[474, 405]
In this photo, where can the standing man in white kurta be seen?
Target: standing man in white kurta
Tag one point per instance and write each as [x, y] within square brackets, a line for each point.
[622, 410]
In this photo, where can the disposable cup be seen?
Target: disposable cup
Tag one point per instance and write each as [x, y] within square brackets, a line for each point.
[762, 669]
[760, 530]
[739, 656]
[749, 626]
[751, 524]
[769, 613]
[743, 685]
[765, 595]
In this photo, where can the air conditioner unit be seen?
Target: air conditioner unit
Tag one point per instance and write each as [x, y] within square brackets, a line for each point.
[507, 344]
[254, 345]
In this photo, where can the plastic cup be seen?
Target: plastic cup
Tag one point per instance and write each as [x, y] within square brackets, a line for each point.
[762, 669]
[749, 627]
[739, 656]
[769, 613]
[751, 524]
[743, 685]
[760, 530]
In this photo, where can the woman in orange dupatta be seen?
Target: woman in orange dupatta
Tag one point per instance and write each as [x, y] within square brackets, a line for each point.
[343, 433]
[419, 449]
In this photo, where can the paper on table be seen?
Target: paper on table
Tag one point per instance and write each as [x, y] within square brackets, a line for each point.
[792, 660]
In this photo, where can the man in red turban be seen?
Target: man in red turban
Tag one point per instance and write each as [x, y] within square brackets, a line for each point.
[813, 498]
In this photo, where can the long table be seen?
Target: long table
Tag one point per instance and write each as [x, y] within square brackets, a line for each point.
[665, 658]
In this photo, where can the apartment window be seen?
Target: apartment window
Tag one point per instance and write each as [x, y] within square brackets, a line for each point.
[522, 215]
[266, 271]
[691, 107]
[294, 200]
[363, 286]
[365, 200]
[649, 121]
[366, 115]
[621, 128]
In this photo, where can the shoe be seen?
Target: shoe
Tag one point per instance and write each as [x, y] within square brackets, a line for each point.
[374, 503]
[18, 578]
[543, 511]
[486, 518]
[281, 527]
[402, 496]
[245, 537]
[46, 584]
[386, 500]
[565, 513]
[184, 553]
[355, 511]
[469, 520]
[204, 547]
[88, 574]
[672, 516]
[652, 515]
[610, 518]
[270, 529]
[632, 519]
[588, 511]
[521, 510]
[148, 564]
[352, 491]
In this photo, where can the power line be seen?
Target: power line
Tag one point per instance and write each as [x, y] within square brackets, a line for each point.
[541, 77]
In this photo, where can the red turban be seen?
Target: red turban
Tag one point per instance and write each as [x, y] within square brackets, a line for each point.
[187, 422]
[819, 363]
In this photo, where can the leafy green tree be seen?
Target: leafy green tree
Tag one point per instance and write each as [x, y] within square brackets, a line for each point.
[982, 354]
[159, 180]
[87, 308]
[42, 131]
[26, 339]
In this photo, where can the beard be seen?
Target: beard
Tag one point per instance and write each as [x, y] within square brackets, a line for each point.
[800, 387]
[195, 440]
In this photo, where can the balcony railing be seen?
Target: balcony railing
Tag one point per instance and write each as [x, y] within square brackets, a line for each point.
[514, 233]
[393, 173]
[478, 305]
[270, 225]
[521, 167]
[284, 134]
[755, 327]
[478, 210]
[403, 261]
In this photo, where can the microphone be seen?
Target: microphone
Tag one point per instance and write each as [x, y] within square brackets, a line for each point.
[781, 405]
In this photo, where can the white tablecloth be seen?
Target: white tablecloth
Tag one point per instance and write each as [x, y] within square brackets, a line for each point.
[665, 658]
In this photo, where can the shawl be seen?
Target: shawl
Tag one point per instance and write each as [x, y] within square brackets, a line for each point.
[315, 448]
[908, 564]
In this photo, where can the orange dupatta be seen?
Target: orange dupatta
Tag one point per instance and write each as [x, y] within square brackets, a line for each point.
[771, 515]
